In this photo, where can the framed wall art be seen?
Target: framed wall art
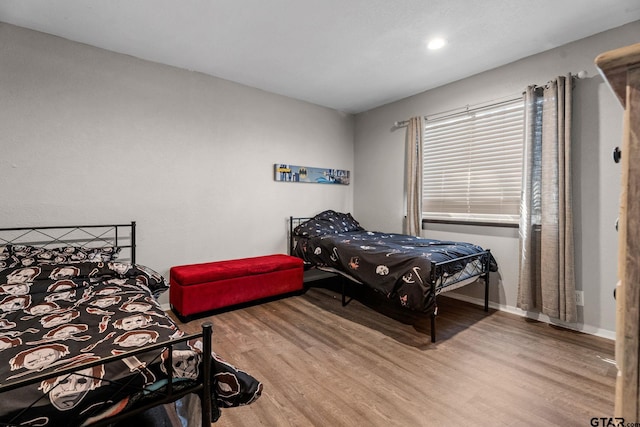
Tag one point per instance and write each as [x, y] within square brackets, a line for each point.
[291, 173]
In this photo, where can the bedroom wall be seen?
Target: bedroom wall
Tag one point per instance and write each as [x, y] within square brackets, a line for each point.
[379, 164]
[91, 136]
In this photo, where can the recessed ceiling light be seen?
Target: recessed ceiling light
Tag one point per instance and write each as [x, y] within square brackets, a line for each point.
[436, 43]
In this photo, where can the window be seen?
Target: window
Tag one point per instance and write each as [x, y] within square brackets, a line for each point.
[472, 168]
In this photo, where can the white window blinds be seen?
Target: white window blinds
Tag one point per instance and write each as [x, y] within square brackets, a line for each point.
[472, 169]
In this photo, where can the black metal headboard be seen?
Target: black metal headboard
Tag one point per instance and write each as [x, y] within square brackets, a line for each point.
[293, 223]
[82, 236]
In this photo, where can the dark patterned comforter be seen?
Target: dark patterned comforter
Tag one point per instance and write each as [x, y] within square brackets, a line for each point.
[54, 316]
[395, 265]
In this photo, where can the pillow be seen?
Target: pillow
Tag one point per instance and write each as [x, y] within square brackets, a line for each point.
[152, 280]
[5, 257]
[28, 255]
[328, 222]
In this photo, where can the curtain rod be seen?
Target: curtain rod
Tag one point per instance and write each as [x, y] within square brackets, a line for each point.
[462, 110]
[467, 108]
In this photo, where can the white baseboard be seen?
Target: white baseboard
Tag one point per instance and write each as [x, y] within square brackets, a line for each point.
[587, 329]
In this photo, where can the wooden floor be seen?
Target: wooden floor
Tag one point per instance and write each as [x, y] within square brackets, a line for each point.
[368, 365]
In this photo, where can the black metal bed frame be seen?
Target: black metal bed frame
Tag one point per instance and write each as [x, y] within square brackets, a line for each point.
[437, 273]
[123, 236]
[83, 236]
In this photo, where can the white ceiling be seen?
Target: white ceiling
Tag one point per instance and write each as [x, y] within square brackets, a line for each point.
[350, 55]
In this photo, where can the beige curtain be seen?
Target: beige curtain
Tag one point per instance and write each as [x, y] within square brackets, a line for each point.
[413, 171]
[547, 281]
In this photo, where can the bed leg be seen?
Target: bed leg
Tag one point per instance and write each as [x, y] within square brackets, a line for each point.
[487, 271]
[433, 327]
[344, 291]
[486, 292]
[342, 286]
[207, 383]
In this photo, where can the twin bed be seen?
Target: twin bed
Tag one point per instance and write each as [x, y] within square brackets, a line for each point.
[83, 340]
[410, 271]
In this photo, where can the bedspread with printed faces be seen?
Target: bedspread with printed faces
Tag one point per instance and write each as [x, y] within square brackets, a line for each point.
[55, 316]
[395, 265]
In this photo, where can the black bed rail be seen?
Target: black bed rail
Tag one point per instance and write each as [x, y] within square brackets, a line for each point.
[437, 270]
[82, 236]
[294, 222]
[203, 389]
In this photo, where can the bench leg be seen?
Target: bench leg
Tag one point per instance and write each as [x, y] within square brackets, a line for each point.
[183, 319]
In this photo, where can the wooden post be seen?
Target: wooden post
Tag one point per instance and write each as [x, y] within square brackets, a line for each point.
[621, 69]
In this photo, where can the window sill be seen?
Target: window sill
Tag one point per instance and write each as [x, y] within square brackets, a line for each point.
[473, 223]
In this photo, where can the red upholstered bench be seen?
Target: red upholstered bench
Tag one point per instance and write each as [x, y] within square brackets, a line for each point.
[198, 288]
